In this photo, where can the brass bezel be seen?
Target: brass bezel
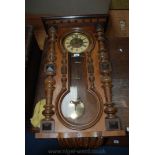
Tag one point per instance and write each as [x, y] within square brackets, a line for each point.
[78, 30]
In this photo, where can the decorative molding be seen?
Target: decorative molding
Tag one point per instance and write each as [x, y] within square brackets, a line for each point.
[81, 142]
[64, 71]
[76, 21]
[90, 69]
[63, 21]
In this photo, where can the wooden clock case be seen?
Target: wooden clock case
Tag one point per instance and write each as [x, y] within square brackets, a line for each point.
[55, 80]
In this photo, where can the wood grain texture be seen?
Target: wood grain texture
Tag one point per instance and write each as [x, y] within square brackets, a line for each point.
[120, 76]
[50, 70]
[114, 29]
[87, 142]
[105, 71]
[80, 134]
[90, 70]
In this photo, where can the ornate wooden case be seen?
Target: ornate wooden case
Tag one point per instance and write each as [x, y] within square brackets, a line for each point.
[76, 76]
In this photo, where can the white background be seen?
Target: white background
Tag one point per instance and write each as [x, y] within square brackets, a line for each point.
[142, 77]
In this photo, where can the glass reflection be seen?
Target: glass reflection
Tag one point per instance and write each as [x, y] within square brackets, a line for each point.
[75, 108]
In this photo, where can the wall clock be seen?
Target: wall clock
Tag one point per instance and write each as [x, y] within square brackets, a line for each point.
[75, 80]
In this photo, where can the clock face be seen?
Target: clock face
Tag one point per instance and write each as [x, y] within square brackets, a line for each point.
[76, 42]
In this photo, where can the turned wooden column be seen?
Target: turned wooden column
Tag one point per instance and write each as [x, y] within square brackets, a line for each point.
[50, 70]
[105, 71]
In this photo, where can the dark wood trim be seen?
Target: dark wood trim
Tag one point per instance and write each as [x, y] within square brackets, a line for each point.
[74, 17]
[79, 20]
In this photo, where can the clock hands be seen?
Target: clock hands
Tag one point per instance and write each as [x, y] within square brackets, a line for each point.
[76, 42]
[76, 103]
[68, 45]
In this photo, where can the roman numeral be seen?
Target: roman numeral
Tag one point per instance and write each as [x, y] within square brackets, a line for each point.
[75, 36]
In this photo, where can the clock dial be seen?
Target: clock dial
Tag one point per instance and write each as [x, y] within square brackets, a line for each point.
[76, 42]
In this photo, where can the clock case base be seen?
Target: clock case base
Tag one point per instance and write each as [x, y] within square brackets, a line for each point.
[81, 139]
